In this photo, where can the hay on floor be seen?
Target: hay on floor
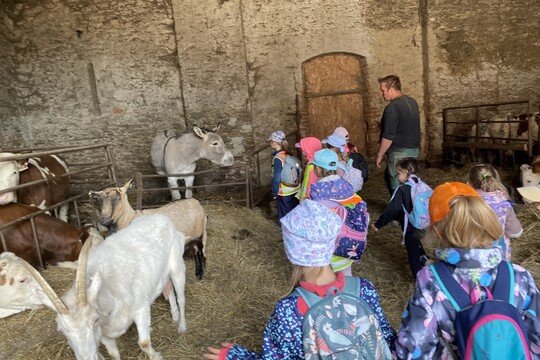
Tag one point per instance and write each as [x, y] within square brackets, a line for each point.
[247, 271]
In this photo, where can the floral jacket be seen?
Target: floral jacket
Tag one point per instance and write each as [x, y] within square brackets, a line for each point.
[427, 324]
[282, 337]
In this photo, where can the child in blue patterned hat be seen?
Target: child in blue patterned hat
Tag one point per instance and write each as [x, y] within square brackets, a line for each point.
[335, 192]
[284, 193]
[309, 231]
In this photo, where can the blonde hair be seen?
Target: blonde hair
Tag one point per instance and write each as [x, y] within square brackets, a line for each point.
[341, 155]
[470, 224]
[323, 172]
[298, 275]
[486, 178]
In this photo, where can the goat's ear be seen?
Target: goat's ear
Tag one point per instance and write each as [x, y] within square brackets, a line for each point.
[42, 297]
[127, 186]
[216, 129]
[199, 132]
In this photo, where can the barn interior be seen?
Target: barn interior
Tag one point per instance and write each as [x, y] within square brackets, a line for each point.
[81, 73]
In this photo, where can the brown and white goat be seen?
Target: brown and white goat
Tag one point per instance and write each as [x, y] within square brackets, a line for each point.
[187, 215]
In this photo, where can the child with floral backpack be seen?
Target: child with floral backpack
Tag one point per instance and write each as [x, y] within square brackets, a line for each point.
[485, 179]
[464, 227]
[400, 204]
[309, 231]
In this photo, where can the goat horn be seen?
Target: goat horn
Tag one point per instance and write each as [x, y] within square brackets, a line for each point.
[61, 308]
[80, 279]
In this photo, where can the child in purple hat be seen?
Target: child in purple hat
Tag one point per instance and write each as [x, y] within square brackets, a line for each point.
[309, 231]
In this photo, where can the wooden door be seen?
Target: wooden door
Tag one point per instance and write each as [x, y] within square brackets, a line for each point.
[333, 96]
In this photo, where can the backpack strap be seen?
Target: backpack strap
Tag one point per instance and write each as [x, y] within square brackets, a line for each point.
[281, 155]
[352, 286]
[451, 288]
[503, 289]
[309, 297]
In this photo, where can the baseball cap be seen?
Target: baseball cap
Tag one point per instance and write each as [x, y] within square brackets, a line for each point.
[336, 141]
[341, 131]
[326, 158]
[439, 202]
[277, 136]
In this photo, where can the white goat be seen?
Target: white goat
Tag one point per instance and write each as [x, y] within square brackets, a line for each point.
[126, 272]
[187, 215]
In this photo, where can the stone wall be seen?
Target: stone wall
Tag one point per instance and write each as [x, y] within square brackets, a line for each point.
[78, 72]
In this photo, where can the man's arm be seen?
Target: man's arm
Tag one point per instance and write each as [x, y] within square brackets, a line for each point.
[383, 147]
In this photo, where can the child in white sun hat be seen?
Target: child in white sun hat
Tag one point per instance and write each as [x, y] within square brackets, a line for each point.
[309, 232]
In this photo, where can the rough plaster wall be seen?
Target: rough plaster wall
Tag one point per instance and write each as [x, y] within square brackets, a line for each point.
[280, 35]
[131, 45]
[8, 98]
[487, 53]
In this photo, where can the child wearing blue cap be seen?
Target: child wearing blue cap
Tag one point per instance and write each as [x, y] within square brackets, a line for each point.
[284, 193]
[309, 232]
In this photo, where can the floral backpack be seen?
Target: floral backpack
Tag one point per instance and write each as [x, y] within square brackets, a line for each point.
[341, 326]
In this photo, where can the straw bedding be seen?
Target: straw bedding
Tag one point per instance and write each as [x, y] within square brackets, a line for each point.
[246, 272]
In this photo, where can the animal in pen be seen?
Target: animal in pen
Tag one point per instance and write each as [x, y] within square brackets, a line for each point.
[58, 241]
[116, 283]
[16, 284]
[52, 168]
[187, 215]
[178, 154]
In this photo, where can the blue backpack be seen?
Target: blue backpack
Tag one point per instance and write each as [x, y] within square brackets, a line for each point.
[341, 326]
[420, 194]
[491, 328]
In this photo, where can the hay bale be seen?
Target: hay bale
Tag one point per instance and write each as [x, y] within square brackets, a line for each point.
[247, 271]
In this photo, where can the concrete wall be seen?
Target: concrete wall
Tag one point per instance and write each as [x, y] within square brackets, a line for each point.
[118, 71]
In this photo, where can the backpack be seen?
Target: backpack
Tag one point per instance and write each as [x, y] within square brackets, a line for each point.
[291, 171]
[490, 328]
[352, 240]
[360, 163]
[341, 325]
[420, 194]
[352, 175]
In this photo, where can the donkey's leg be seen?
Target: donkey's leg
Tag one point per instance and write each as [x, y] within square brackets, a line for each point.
[173, 182]
[189, 182]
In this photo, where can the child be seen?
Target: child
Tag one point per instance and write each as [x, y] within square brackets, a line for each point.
[465, 226]
[337, 144]
[486, 181]
[284, 193]
[401, 199]
[351, 152]
[309, 146]
[309, 232]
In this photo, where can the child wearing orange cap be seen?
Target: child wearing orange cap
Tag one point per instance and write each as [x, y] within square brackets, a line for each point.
[465, 226]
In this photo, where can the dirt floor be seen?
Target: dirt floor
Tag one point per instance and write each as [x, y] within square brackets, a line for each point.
[247, 271]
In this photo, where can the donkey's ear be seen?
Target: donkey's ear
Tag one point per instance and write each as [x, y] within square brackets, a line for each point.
[216, 129]
[198, 131]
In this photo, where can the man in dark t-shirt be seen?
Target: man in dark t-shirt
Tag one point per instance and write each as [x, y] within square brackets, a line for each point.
[400, 129]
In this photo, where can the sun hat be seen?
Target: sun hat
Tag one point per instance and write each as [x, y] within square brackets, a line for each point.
[341, 131]
[336, 141]
[309, 234]
[333, 188]
[277, 136]
[326, 158]
[439, 202]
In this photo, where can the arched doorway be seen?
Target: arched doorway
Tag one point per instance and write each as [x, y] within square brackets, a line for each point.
[334, 96]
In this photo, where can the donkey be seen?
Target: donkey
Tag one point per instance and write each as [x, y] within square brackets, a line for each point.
[178, 154]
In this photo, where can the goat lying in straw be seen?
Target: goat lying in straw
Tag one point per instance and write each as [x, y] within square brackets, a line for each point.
[117, 281]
